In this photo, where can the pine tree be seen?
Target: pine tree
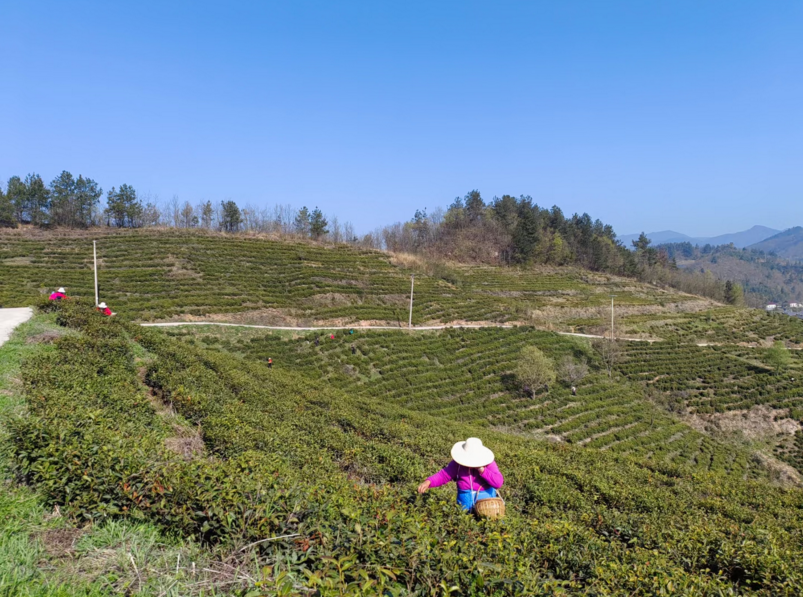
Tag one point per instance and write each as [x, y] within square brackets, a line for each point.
[318, 224]
[123, 208]
[302, 222]
[642, 242]
[207, 212]
[525, 236]
[475, 206]
[7, 219]
[230, 216]
[73, 201]
[30, 199]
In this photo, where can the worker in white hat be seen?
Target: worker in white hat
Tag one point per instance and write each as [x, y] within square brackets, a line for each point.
[473, 469]
[59, 294]
[105, 310]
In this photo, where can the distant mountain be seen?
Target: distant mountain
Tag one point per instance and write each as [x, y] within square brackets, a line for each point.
[740, 240]
[788, 244]
[657, 238]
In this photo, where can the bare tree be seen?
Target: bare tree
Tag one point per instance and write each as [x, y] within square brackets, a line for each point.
[335, 232]
[174, 212]
[570, 370]
[610, 352]
[348, 233]
[187, 217]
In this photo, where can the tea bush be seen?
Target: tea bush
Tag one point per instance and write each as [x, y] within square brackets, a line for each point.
[334, 475]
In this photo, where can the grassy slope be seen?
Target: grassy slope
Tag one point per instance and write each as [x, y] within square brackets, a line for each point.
[342, 469]
[44, 554]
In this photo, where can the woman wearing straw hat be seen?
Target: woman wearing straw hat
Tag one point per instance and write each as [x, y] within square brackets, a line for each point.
[105, 310]
[473, 469]
[59, 294]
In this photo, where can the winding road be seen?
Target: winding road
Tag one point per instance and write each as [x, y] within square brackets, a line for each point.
[11, 318]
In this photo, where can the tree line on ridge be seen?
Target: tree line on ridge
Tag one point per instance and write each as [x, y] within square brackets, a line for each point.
[508, 230]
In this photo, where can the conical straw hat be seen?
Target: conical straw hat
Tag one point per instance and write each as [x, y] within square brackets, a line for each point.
[472, 453]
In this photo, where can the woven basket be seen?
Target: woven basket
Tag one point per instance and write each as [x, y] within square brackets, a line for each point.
[490, 507]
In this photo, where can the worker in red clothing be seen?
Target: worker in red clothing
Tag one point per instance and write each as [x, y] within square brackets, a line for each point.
[105, 310]
[59, 295]
[270, 363]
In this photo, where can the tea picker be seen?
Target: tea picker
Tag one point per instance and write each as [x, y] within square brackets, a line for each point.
[58, 294]
[477, 476]
[105, 310]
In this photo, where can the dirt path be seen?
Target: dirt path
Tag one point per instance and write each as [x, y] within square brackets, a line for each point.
[11, 318]
[357, 326]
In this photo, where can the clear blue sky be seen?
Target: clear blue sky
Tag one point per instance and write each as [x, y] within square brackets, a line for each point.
[648, 115]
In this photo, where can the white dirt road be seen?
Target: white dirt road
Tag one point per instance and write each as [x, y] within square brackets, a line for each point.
[11, 318]
[357, 326]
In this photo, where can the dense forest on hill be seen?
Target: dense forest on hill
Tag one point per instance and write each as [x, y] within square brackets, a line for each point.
[765, 277]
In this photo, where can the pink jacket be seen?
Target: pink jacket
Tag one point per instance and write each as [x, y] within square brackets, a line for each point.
[57, 295]
[468, 478]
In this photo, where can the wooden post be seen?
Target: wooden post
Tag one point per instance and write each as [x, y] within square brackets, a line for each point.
[95, 256]
[412, 285]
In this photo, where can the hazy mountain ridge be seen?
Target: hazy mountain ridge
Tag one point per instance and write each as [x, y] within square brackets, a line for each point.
[742, 239]
[787, 244]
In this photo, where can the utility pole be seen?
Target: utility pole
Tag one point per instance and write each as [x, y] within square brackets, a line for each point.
[412, 285]
[612, 334]
[95, 256]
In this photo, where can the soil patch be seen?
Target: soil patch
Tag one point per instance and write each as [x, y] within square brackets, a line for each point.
[758, 423]
[59, 543]
[188, 447]
[44, 338]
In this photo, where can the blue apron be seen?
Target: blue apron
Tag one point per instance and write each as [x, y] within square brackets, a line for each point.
[466, 498]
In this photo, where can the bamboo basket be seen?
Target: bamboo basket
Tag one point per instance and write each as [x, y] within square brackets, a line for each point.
[490, 507]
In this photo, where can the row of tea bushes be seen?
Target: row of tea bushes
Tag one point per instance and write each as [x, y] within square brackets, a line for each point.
[721, 325]
[152, 275]
[465, 375]
[713, 378]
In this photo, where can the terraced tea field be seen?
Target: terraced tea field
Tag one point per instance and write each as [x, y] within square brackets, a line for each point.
[159, 275]
[465, 375]
[720, 325]
[312, 474]
[716, 379]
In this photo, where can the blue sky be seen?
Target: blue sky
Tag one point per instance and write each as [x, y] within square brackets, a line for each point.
[648, 115]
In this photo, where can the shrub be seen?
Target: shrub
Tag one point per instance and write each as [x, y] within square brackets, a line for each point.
[534, 368]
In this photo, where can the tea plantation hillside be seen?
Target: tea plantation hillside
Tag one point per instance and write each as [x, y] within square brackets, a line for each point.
[465, 375]
[155, 275]
[152, 275]
[329, 477]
